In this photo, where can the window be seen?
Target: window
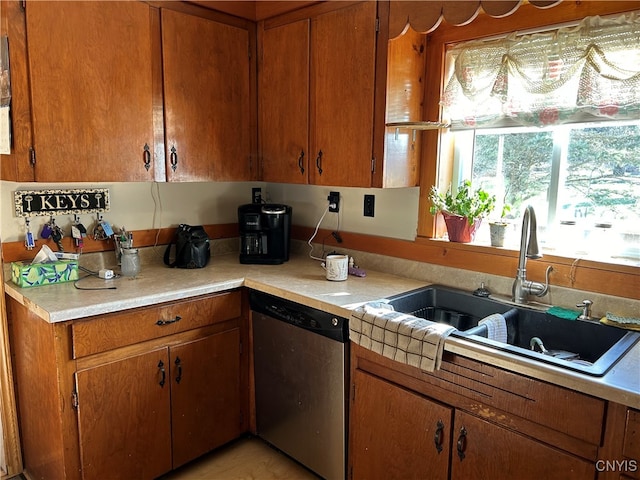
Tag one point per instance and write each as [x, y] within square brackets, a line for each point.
[551, 120]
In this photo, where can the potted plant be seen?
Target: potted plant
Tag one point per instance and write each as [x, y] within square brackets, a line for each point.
[498, 228]
[462, 212]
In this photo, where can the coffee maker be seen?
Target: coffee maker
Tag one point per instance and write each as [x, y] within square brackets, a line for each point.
[265, 233]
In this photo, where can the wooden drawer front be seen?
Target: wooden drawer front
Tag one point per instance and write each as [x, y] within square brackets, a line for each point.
[631, 446]
[110, 331]
[555, 407]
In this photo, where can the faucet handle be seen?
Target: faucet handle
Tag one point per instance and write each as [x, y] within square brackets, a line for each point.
[586, 309]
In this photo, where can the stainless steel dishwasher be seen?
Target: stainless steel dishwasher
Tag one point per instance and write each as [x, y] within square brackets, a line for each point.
[301, 375]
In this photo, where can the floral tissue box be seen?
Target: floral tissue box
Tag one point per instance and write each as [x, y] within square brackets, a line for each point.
[25, 274]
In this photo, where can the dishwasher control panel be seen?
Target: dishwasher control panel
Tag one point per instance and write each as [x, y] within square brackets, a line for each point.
[302, 316]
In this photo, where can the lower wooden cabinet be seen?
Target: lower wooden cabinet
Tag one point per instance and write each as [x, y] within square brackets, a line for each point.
[460, 423]
[124, 417]
[397, 433]
[619, 457]
[97, 402]
[205, 395]
[485, 450]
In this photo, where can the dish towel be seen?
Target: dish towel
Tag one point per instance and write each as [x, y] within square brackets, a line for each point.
[496, 327]
[399, 336]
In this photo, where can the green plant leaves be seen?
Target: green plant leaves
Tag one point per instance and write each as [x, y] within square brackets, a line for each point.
[466, 203]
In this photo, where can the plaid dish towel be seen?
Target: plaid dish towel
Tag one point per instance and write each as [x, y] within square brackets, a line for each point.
[399, 336]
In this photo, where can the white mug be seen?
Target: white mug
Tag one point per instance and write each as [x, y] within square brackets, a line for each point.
[337, 267]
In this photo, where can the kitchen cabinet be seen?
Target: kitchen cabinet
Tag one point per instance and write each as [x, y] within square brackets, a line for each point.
[132, 394]
[207, 108]
[317, 96]
[284, 103]
[90, 74]
[129, 91]
[497, 424]
[619, 457]
[485, 450]
[397, 432]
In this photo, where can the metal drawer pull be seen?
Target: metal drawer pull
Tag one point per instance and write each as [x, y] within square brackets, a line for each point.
[438, 438]
[167, 322]
[319, 162]
[300, 159]
[173, 158]
[179, 365]
[164, 373]
[461, 445]
[146, 155]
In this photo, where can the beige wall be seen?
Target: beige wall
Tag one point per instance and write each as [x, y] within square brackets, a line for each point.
[139, 206]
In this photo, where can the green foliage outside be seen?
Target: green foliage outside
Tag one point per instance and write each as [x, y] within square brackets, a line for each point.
[602, 169]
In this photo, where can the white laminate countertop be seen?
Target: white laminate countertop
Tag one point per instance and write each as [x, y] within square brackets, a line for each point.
[301, 280]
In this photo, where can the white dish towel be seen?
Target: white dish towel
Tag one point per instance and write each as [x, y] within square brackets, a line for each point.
[496, 327]
[399, 336]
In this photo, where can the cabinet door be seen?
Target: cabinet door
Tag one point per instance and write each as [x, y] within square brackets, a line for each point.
[284, 103]
[206, 99]
[484, 450]
[205, 390]
[396, 433]
[343, 58]
[124, 417]
[91, 87]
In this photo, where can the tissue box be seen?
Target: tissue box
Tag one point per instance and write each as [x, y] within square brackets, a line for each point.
[25, 274]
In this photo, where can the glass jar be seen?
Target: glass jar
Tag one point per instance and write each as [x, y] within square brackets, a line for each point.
[130, 262]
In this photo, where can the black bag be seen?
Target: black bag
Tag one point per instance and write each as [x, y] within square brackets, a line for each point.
[192, 248]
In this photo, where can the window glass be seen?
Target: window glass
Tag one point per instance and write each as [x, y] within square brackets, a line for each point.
[583, 181]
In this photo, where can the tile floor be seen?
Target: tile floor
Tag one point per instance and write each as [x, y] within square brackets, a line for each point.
[248, 458]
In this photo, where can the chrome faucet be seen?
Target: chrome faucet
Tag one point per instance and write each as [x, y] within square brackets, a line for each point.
[522, 287]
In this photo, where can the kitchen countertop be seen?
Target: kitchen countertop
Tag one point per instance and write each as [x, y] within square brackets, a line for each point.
[301, 280]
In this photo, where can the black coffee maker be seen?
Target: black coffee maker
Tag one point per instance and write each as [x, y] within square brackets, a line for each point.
[265, 233]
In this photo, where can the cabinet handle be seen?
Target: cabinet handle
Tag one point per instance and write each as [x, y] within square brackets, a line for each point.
[319, 162]
[179, 365]
[438, 438]
[173, 158]
[164, 373]
[300, 159]
[167, 322]
[461, 445]
[146, 156]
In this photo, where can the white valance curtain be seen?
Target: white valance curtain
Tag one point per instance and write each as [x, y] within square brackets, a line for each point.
[586, 72]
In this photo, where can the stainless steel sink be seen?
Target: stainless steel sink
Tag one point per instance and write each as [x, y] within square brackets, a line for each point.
[584, 346]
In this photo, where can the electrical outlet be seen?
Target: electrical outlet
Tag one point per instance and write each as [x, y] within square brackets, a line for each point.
[256, 195]
[369, 205]
[334, 199]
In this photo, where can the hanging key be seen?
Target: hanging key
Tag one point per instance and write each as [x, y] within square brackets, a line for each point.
[47, 228]
[29, 240]
[57, 236]
[78, 232]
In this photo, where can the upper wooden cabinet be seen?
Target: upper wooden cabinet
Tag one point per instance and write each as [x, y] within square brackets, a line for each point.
[284, 103]
[91, 90]
[329, 81]
[133, 91]
[317, 96]
[207, 106]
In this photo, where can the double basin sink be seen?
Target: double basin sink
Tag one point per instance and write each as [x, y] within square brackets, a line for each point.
[585, 346]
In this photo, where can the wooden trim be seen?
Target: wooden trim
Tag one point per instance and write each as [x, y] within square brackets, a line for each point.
[14, 251]
[307, 12]
[8, 410]
[618, 280]
[17, 167]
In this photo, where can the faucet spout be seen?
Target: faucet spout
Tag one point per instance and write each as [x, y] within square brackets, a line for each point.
[529, 248]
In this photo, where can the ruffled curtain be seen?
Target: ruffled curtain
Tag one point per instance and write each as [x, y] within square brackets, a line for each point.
[587, 72]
